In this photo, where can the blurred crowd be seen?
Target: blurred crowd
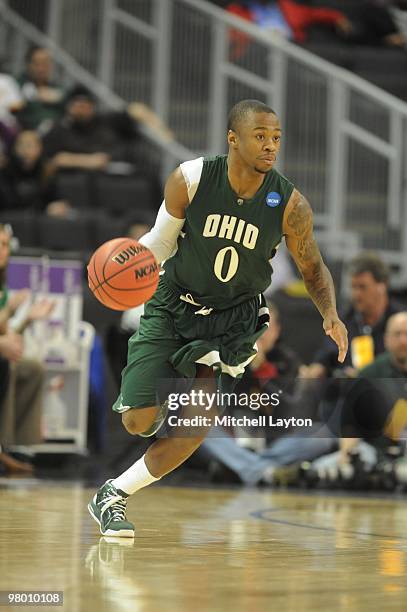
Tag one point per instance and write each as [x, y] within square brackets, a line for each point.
[366, 37]
[21, 379]
[64, 158]
[73, 176]
[371, 22]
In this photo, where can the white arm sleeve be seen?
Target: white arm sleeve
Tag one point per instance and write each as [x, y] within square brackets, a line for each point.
[162, 238]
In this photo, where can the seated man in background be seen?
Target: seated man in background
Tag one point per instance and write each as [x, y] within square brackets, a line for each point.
[370, 309]
[366, 319]
[89, 142]
[21, 400]
[42, 96]
[384, 406]
[83, 139]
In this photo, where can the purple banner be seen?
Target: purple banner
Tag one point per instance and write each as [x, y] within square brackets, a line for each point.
[45, 276]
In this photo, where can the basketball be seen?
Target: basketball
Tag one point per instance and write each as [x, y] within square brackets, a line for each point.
[122, 274]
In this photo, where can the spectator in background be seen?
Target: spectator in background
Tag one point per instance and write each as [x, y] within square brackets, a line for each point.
[21, 404]
[301, 16]
[369, 22]
[82, 139]
[7, 462]
[291, 19]
[41, 95]
[366, 319]
[87, 141]
[388, 374]
[274, 361]
[375, 406]
[23, 185]
[10, 103]
[370, 309]
[373, 23]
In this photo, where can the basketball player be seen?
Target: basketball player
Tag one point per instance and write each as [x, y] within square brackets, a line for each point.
[228, 214]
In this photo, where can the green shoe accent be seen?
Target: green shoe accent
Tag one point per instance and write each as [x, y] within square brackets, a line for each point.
[108, 508]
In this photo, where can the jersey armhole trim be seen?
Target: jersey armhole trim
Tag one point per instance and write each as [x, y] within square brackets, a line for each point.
[192, 172]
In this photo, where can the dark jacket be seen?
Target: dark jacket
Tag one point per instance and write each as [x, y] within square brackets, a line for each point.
[24, 189]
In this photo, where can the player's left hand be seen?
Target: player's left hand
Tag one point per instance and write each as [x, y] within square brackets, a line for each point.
[334, 328]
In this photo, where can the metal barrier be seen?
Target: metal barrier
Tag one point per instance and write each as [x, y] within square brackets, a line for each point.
[344, 140]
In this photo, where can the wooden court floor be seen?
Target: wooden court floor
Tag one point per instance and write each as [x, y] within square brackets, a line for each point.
[206, 550]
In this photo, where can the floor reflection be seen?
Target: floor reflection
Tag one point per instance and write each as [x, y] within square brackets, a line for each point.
[207, 550]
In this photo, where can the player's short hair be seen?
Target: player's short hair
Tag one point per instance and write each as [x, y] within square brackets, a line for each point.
[369, 261]
[240, 111]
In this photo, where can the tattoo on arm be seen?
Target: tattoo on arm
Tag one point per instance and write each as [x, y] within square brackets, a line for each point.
[303, 247]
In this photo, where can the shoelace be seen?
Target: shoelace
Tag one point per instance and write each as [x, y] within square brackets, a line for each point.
[118, 510]
[117, 506]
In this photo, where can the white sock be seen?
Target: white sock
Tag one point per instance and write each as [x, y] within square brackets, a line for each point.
[135, 478]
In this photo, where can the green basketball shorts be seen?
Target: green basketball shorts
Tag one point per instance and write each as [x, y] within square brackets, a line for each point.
[176, 334]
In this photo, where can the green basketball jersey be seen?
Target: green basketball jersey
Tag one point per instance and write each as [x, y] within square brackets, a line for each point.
[224, 251]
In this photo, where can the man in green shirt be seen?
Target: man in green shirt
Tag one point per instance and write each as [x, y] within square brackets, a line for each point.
[393, 363]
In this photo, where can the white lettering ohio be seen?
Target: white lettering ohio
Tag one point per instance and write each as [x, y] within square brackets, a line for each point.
[231, 228]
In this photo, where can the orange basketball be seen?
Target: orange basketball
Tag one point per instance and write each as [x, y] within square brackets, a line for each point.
[122, 274]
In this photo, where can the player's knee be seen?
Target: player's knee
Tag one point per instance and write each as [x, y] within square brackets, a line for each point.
[139, 420]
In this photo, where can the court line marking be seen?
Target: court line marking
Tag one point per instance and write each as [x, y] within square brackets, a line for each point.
[259, 514]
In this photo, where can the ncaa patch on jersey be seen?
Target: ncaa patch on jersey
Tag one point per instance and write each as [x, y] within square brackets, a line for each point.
[273, 199]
